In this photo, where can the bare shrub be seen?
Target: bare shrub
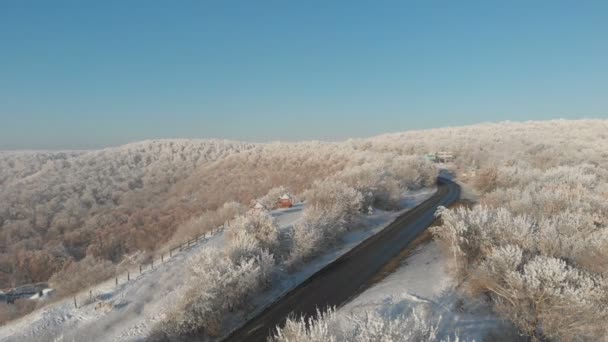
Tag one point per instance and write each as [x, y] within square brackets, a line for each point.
[207, 222]
[485, 180]
[76, 276]
[9, 312]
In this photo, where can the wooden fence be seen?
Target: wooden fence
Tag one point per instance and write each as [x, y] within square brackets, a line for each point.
[143, 267]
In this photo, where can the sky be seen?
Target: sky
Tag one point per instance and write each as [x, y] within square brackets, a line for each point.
[88, 74]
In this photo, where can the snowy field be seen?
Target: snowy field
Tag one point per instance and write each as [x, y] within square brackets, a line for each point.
[128, 311]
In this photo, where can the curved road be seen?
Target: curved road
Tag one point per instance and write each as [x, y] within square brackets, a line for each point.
[350, 274]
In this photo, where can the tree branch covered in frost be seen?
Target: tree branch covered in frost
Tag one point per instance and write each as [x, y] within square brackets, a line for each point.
[331, 207]
[544, 296]
[218, 285]
[362, 327]
[259, 225]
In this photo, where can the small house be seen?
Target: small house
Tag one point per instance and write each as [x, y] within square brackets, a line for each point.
[445, 157]
[257, 208]
[285, 201]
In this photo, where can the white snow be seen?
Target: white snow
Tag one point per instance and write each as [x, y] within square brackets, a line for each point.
[423, 279]
[128, 311]
[46, 293]
[285, 218]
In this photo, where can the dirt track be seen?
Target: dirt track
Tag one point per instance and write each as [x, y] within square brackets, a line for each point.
[350, 274]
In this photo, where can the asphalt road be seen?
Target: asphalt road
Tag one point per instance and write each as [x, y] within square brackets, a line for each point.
[350, 274]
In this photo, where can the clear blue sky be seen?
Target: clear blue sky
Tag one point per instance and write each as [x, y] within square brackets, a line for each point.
[82, 74]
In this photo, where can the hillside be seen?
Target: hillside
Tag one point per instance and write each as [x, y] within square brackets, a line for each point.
[91, 213]
[59, 207]
[85, 216]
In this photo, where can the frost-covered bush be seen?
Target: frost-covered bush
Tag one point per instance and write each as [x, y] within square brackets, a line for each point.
[218, 285]
[261, 226]
[383, 180]
[241, 244]
[545, 297]
[321, 329]
[338, 199]
[367, 326]
[537, 246]
[332, 207]
[470, 234]
[222, 281]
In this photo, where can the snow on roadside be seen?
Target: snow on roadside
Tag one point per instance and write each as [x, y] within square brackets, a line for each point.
[128, 311]
[424, 282]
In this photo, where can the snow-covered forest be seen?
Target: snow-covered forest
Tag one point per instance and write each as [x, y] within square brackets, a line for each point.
[535, 245]
[74, 218]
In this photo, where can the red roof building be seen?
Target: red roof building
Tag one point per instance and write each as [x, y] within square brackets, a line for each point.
[285, 201]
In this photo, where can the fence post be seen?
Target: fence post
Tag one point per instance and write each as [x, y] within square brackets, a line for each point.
[128, 275]
[116, 281]
[162, 257]
[90, 295]
[75, 304]
[139, 268]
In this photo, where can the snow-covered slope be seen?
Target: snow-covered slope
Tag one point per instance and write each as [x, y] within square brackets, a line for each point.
[128, 311]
